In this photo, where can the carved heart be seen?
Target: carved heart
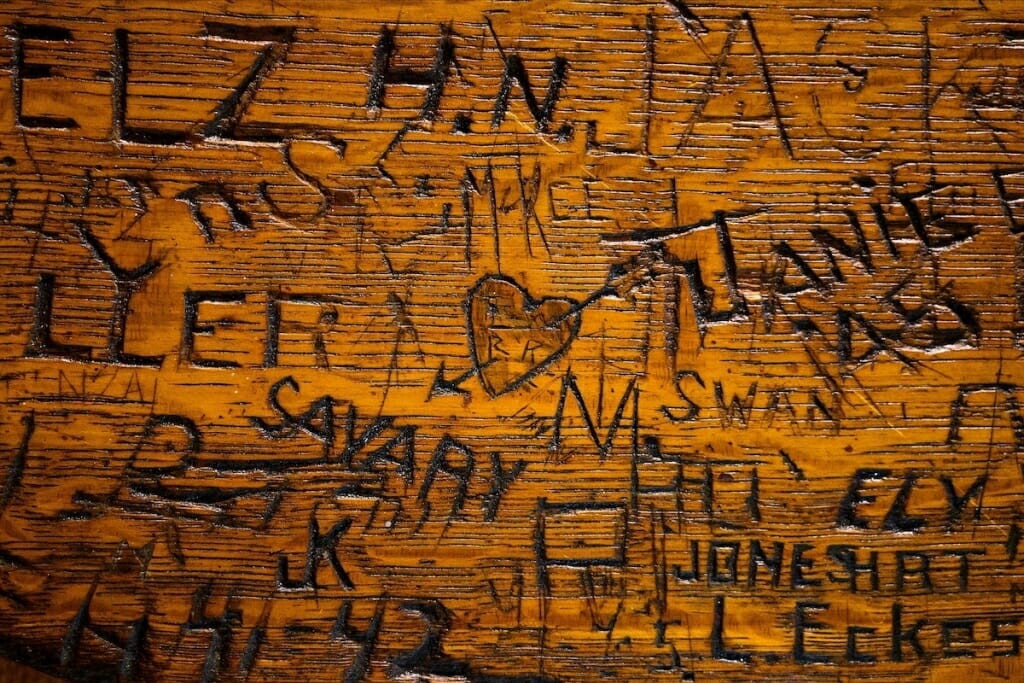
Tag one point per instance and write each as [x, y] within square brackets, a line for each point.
[513, 337]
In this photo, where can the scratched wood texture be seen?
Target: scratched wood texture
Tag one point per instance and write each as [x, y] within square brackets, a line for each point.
[512, 341]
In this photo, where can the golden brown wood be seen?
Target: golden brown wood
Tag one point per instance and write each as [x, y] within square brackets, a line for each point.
[494, 341]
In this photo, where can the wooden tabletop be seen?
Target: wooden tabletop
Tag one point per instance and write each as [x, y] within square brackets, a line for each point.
[499, 341]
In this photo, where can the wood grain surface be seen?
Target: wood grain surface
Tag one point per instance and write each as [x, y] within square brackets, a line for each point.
[508, 342]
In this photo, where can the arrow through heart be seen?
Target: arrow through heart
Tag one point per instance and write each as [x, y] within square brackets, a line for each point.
[512, 336]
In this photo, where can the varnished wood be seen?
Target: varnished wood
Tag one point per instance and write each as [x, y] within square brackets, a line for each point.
[494, 341]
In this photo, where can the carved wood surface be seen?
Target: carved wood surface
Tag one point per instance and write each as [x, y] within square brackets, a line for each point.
[512, 341]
